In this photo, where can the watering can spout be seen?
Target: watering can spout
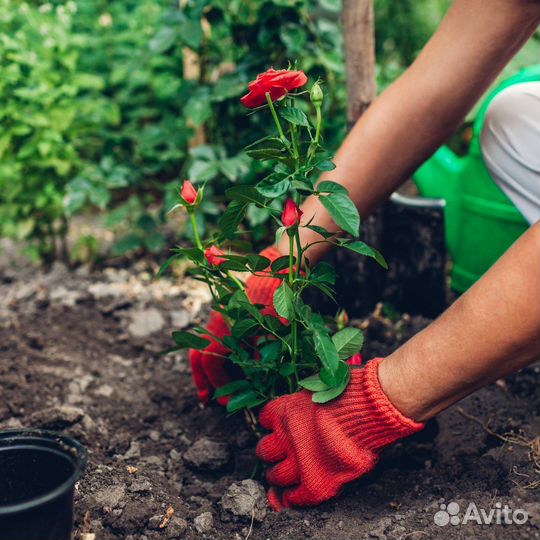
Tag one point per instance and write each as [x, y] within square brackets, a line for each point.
[439, 176]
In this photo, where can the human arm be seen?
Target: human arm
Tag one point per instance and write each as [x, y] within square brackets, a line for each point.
[417, 113]
[489, 332]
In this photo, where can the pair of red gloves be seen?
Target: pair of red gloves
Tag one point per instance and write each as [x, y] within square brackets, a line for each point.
[316, 448]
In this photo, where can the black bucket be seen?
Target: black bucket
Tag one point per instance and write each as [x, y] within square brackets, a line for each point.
[38, 471]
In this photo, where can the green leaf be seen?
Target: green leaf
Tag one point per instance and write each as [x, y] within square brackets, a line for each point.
[264, 154]
[284, 301]
[313, 384]
[280, 263]
[270, 352]
[326, 350]
[331, 187]
[324, 272]
[244, 400]
[186, 340]
[287, 369]
[326, 165]
[321, 230]
[294, 116]
[343, 212]
[258, 263]
[348, 342]
[194, 254]
[364, 249]
[232, 218]
[324, 396]
[246, 194]
[232, 387]
[163, 40]
[166, 265]
[272, 189]
[244, 327]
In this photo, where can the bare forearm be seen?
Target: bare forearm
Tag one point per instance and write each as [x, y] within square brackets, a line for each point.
[491, 331]
[408, 122]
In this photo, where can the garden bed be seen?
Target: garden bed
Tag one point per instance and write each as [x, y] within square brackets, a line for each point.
[79, 353]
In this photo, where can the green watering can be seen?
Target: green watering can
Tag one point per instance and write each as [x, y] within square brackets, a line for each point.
[480, 221]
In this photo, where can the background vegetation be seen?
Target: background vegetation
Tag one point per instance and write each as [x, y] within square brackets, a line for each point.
[107, 105]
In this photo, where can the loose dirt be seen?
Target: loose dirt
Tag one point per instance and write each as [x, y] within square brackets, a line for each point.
[79, 353]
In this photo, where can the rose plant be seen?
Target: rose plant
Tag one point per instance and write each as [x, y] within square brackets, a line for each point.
[278, 348]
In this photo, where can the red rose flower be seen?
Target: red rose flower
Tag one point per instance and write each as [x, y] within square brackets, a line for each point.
[213, 256]
[275, 82]
[189, 193]
[291, 214]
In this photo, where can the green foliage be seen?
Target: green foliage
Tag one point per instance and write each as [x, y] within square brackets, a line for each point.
[296, 348]
[49, 110]
[98, 107]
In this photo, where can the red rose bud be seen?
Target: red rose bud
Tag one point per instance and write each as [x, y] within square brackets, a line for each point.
[291, 214]
[189, 193]
[275, 82]
[214, 256]
[342, 319]
[355, 360]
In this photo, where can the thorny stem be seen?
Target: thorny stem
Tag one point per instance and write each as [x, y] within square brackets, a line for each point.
[237, 282]
[294, 323]
[195, 229]
[315, 141]
[276, 120]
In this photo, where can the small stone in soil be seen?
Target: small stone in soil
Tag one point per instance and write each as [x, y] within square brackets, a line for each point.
[145, 322]
[206, 454]
[140, 486]
[180, 318]
[204, 522]
[57, 417]
[245, 499]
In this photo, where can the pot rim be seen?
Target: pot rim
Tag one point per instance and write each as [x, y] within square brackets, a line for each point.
[79, 460]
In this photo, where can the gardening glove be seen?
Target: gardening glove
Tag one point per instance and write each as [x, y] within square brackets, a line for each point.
[209, 368]
[319, 448]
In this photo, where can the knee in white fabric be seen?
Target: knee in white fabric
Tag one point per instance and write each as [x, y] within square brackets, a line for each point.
[510, 140]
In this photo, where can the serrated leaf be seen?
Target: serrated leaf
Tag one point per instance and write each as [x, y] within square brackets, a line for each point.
[326, 350]
[343, 212]
[294, 116]
[364, 249]
[244, 327]
[258, 263]
[244, 400]
[326, 165]
[166, 265]
[324, 272]
[230, 388]
[232, 218]
[321, 230]
[324, 396]
[270, 352]
[264, 154]
[273, 189]
[284, 301]
[331, 187]
[313, 384]
[280, 263]
[245, 194]
[186, 340]
[348, 342]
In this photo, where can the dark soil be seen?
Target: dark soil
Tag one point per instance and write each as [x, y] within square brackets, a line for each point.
[81, 356]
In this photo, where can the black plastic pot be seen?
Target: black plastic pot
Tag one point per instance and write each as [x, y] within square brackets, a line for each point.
[38, 471]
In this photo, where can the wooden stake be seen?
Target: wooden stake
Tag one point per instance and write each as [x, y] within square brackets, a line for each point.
[358, 30]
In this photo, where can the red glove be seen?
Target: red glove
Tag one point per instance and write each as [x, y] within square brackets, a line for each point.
[210, 371]
[320, 448]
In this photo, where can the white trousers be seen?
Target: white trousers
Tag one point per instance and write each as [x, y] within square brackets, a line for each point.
[510, 142]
